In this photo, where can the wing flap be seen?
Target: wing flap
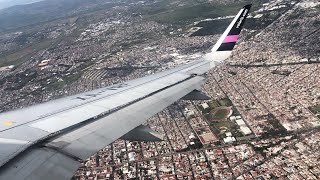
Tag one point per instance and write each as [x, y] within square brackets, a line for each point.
[68, 118]
[42, 163]
[87, 140]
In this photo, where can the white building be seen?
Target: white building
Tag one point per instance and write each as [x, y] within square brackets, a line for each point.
[205, 105]
[240, 122]
[233, 118]
[245, 130]
[229, 140]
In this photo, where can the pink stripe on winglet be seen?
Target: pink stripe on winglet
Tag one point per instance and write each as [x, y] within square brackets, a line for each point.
[231, 38]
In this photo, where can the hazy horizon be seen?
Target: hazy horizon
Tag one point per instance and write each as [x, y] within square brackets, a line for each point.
[9, 3]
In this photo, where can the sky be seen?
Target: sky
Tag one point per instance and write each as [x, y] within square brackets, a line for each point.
[9, 3]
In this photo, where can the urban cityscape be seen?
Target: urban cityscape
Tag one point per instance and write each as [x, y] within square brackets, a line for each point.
[263, 118]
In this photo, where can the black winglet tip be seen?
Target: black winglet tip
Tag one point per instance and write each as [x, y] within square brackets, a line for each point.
[248, 6]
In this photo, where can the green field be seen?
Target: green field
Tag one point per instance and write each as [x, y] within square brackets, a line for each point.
[23, 55]
[227, 124]
[220, 114]
[221, 102]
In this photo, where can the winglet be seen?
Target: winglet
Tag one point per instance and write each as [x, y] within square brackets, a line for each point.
[222, 49]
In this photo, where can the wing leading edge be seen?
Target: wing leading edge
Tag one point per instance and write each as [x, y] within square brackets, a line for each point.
[54, 137]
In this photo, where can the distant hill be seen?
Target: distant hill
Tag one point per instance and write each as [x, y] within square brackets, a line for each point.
[23, 15]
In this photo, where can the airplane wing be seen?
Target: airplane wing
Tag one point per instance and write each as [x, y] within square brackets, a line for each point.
[49, 140]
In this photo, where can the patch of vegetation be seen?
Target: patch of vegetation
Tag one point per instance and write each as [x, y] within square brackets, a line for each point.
[155, 8]
[212, 27]
[225, 102]
[187, 14]
[204, 111]
[233, 73]
[223, 124]
[295, 25]
[208, 116]
[71, 78]
[214, 104]
[191, 116]
[31, 14]
[316, 23]
[283, 72]
[21, 79]
[262, 149]
[218, 103]
[197, 145]
[218, 26]
[315, 109]
[129, 43]
[275, 128]
[56, 84]
[220, 114]
[184, 150]
[23, 55]
[235, 111]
